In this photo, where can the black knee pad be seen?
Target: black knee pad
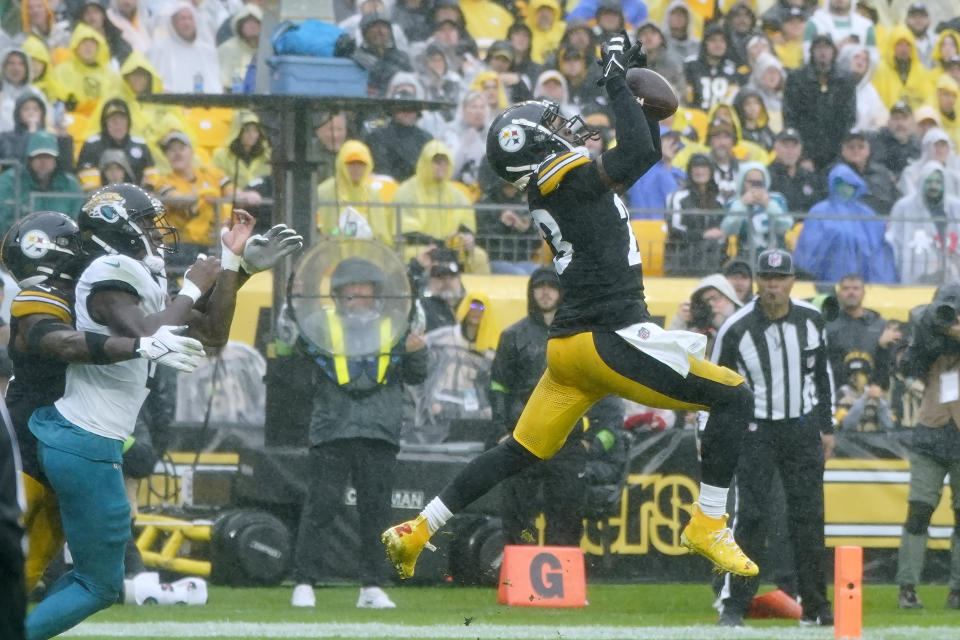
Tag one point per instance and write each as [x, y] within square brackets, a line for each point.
[518, 451]
[918, 518]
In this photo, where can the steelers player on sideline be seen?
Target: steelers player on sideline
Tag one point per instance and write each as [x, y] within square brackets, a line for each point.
[121, 293]
[602, 340]
[42, 252]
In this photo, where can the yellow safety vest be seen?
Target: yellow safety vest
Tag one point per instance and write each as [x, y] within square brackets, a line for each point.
[337, 346]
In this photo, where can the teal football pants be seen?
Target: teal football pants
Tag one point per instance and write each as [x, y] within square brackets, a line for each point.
[96, 521]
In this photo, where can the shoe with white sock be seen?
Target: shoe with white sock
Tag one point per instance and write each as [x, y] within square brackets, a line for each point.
[374, 598]
[303, 596]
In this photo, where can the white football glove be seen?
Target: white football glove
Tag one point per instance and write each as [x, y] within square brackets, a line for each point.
[171, 350]
[264, 251]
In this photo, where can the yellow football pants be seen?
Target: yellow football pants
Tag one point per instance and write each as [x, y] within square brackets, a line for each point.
[44, 533]
[585, 367]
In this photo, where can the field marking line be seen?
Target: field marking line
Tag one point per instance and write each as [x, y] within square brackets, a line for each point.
[373, 630]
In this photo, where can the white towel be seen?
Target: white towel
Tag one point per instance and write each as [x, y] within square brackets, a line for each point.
[672, 348]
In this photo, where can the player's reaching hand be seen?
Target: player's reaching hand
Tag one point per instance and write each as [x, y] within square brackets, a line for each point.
[237, 229]
[202, 275]
[616, 56]
[263, 252]
[171, 350]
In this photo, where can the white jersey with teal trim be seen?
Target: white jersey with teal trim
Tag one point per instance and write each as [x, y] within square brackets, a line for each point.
[105, 399]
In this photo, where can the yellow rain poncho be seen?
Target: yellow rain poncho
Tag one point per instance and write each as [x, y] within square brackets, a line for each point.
[243, 167]
[83, 83]
[545, 41]
[917, 89]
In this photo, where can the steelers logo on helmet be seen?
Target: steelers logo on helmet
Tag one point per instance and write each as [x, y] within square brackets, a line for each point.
[512, 138]
[35, 244]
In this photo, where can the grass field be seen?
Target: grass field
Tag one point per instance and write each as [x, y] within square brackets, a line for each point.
[631, 611]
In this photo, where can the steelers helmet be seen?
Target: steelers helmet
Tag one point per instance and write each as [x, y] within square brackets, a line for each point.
[525, 134]
[125, 219]
[43, 245]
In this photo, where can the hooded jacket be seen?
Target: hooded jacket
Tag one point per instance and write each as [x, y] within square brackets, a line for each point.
[119, 47]
[134, 148]
[686, 251]
[830, 249]
[753, 224]
[936, 55]
[58, 32]
[341, 189]
[708, 84]
[690, 45]
[82, 83]
[871, 112]
[926, 251]
[567, 108]
[10, 92]
[544, 41]
[180, 64]
[762, 135]
[135, 31]
[235, 54]
[414, 21]
[950, 123]
[916, 88]
[910, 177]
[37, 50]
[13, 143]
[772, 100]
[396, 147]
[242, 166]
[423, 189]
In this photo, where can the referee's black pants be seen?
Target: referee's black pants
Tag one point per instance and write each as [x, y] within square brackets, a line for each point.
[792, 447]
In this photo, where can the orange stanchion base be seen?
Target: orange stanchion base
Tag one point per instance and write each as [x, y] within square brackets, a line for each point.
[848, 592]
[542, 577]
[775, 604]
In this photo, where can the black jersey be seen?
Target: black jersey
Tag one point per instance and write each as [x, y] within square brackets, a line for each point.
[595, 252]
[37, 381]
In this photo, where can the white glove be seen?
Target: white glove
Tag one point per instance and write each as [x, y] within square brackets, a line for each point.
[264, 251]
[171, 350]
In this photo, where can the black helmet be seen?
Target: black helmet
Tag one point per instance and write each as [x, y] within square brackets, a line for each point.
[125, 219]
[355, 270]
[525, 134]
[42, 245]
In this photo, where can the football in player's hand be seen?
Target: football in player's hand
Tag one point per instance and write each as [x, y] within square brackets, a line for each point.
[653, 92]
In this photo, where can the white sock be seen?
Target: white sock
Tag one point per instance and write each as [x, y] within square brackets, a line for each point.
[713, 500]
[436, 514]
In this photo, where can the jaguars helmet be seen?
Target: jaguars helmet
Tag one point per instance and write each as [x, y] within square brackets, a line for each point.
[41, 246]
[125, 219]
[525, 134]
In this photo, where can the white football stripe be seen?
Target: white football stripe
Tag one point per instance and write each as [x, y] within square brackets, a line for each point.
[475, 631]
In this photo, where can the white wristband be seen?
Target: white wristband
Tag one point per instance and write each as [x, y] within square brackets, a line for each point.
[228, 259]
[190, 290]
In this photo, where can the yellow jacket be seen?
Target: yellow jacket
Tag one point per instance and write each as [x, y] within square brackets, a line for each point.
[87, 84]
[544, 41]
[243, 172]
[916, 90]
[950, 125]
[341, 189]
[422, 188]
[35, 48]
[486, 21]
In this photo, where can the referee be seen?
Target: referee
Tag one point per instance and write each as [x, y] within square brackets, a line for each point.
[778, 344]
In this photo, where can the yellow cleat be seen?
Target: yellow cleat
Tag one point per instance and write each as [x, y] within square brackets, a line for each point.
[404, 543]
[711, 538]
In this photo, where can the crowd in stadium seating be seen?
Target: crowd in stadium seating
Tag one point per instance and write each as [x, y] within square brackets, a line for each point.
[787, 107]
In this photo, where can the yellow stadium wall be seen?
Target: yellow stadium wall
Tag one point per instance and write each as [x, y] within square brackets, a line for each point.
[508, 299]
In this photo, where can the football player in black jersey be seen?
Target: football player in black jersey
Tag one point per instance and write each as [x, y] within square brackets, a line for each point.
[602, 340]
[43, 252]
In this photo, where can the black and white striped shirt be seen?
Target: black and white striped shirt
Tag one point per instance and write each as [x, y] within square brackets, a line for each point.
[784, 361]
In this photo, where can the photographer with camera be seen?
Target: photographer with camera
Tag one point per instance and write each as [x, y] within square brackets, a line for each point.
[933, 355]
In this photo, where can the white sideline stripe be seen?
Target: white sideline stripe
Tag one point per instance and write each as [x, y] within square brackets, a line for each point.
[475, 631]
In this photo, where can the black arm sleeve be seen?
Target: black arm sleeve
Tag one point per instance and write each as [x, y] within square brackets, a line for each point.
[823, 380]
[638, 138]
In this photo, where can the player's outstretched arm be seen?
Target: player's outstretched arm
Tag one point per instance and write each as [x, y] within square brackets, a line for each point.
[210, 322]
[638, 139]
[48, 336]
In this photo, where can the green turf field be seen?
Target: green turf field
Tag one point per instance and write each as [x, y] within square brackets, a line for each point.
[633, 611]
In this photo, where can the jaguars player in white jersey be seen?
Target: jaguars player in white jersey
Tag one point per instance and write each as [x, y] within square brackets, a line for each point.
[122, 293]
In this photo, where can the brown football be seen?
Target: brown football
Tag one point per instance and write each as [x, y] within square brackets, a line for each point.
[653, 92]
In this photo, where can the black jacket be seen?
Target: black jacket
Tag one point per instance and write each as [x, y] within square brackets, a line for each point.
[135, 149]
[895, 155]
[801, 191]
[381, 67]
[13, 144]
[396, 149]
[823, 117]
[362, 408]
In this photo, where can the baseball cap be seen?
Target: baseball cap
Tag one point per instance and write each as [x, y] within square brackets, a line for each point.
[720, 126]
[795, 13]
[115, 107]
[917, 7]
[775, 262]
[926, 112]
[738, 266]
[901, 106]
[42, 143]
[444, 263]
[356, 156]
[178, 136]
[789, 134]
[854, 134]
